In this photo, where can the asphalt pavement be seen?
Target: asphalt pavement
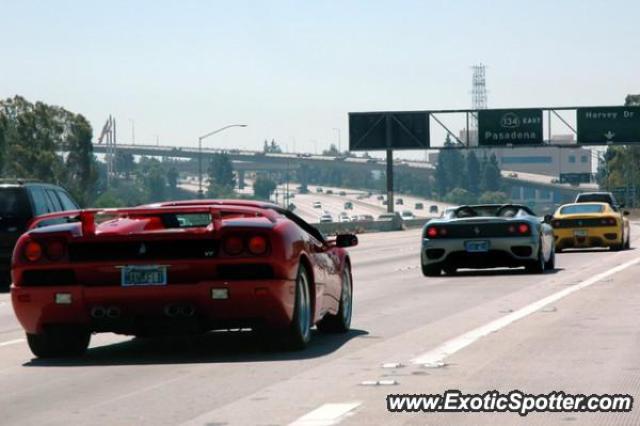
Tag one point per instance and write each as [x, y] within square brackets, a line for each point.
[573, 330]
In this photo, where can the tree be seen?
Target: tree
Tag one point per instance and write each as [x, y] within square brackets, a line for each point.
[441, 176]
[221, 171]
[472, 175]
[332, 151]
[271, 148]
[459, 196]
[491, 176]
[33, 139]
[449, 172]
[172, 181]
[263, 187]
[108, 199]
[125, 163]
[493, 198]
[155, 184]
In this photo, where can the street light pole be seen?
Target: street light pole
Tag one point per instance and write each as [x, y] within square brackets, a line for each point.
[200, 139]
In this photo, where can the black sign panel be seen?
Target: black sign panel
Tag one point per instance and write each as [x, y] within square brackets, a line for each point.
[509, 127]
[376, 131]
[604, 125]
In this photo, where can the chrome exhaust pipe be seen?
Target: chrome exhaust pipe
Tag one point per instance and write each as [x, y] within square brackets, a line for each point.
[171, 311]
[187, 310]
[113, 312]
[98, 312]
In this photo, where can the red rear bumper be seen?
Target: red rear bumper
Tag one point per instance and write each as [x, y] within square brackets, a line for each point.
[269, 302]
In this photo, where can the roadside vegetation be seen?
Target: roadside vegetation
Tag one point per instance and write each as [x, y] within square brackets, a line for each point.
[618, 169]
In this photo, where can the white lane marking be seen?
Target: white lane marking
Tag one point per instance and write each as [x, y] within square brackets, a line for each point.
[439, 354]
[11, 342]
[326, 415]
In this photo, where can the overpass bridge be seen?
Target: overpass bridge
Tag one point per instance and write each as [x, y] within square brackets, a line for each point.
[537, 190]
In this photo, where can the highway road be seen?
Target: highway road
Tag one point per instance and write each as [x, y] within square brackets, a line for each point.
[334, 203]
[574, 330]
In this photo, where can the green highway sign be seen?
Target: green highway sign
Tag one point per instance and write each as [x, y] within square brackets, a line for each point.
[379, 131]
[509, 127]
[606, 125]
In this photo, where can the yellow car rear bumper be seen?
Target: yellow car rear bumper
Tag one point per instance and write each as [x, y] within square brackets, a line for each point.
[602, 236]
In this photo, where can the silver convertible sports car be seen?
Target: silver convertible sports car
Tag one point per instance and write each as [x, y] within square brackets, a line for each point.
[487, 236]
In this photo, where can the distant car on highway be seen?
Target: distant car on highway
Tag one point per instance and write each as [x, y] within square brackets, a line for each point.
[342, 193]
[325, 218]
[419, 206]
[234, 264]
[433, 209]
[20, 202]
[586, 224]
[487, 236]
[599, 197]
[317, 205]
[407, 215]
[380, 197]
[318, 189]
[348, 205]
[388, 216]
[344, 217]
[399, 201]
[365, 217]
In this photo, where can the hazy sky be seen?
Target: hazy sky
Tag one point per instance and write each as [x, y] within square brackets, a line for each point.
[292, 70]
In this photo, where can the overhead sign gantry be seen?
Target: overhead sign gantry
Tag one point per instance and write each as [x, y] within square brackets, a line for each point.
[513, 127]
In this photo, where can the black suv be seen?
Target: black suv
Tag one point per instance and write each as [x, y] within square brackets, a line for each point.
[21, 201]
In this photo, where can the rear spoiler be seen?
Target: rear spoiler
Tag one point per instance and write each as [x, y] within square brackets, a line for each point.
[87, 216]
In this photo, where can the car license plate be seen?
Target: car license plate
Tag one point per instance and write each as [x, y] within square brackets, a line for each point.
[143, 275]
[581, 233]
[476, 246]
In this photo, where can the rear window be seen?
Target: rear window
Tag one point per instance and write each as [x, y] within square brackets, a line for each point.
[14, 202]
[582, 208]
[186, 220]
[598, 198]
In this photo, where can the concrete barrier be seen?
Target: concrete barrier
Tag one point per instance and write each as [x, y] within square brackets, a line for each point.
[367, 226]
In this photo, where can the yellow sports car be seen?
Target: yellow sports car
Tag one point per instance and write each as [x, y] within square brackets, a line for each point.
[583, 225]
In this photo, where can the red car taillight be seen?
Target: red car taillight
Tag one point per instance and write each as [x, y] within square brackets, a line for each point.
[233, 245]
[434, 232]
[608, 221]
[257, 245]
[33, 251]
[523, 229]
[55, 250]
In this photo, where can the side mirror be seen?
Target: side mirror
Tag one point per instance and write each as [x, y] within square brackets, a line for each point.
[346, 240]
[547, 218]
[626, 213]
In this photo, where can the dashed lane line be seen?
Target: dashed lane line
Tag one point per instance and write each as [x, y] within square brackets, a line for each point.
[437, 355]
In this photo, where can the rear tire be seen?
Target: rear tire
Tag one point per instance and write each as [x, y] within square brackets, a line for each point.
[341, 322]
[551, 263]
[616, 247]
[536, 266]
[431, 270]
[298, 334]
[627, 245]
[56, 342]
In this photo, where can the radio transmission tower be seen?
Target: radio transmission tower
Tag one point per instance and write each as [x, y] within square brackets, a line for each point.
[479, 87]
[478, 99]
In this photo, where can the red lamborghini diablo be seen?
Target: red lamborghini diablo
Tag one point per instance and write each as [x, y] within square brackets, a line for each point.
[178, 267]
